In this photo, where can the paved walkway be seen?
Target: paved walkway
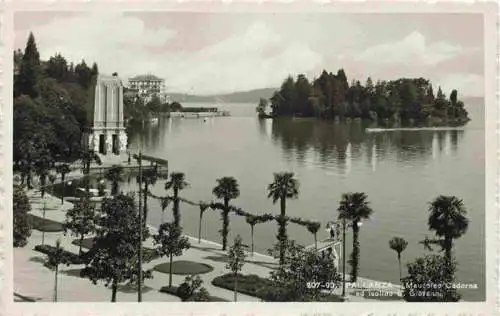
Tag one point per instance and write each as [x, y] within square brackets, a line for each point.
[33, 280]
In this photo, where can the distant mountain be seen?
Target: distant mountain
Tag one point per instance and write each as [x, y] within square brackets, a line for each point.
[251, 96]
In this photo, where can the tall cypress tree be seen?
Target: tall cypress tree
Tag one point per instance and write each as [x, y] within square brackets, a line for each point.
[29, 70]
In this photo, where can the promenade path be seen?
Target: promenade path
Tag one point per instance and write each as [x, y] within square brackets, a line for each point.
[33, 280]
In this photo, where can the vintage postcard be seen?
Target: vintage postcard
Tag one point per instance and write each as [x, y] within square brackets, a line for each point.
[335, 158]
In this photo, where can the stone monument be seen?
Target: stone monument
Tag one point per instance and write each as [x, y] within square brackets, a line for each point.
[107, 135]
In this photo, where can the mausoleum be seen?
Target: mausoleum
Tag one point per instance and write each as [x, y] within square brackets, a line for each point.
[107, 135]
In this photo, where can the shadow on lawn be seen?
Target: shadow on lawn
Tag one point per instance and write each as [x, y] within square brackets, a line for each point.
[124, 288]
[38, 259]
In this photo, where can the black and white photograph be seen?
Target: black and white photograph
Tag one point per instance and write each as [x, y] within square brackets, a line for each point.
[253, 155]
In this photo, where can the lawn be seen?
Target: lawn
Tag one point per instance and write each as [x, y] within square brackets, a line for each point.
[45, 225]
[256, 286]
[184, 268]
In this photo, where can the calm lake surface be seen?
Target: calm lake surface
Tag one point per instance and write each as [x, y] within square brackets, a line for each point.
[400, 171]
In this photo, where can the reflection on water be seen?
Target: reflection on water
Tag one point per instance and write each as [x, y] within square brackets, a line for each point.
[399, 170]
[340, 143]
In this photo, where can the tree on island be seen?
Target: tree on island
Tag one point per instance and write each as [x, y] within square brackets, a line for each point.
[292, 280]
[284, 187]
[114, 254]
[81, 220]
[353, 208]
[435, 270]
[402, 100]
[170, 243]
[227, 188]
[20, 210]
[236, 257]
[262, 107]
[177, 182]
[398, 244]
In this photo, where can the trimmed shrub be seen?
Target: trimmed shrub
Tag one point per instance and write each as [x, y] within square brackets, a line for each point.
[49, 250]
[173, 291]
[45, 225]
[256, 286]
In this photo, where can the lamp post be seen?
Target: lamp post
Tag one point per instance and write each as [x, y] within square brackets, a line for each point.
[139, 261]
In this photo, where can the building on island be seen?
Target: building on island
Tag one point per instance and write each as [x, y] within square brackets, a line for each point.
[107, 134]
[147, 86]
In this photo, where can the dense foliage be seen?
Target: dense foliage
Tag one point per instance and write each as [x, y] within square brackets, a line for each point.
[113, 256]
[331, 96]
[50, 104]
[292, 280]
[430, 279]
[20, 209]
[170, 243]
[51, 250]
[81, 219]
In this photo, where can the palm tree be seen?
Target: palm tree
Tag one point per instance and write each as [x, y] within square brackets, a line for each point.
[177, 182]
[284, 186]
[252, 220]
[313, 228]
[448, 219]
[115, 176]
[164, 202]
[227, 188]
[354, 207]
[63, 169]
[398, 244]
[203, 208]
[149, 177]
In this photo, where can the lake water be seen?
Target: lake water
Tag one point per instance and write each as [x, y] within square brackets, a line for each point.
[400, 171]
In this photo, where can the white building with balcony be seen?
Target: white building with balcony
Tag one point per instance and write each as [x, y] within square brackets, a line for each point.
[147, 86]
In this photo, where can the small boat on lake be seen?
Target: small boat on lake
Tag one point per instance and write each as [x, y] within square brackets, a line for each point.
[413, 129]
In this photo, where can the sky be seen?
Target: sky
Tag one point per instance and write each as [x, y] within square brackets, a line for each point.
[220, 52]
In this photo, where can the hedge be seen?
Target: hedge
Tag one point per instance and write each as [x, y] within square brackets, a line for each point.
[45, 225]
[173, 291]
[48, 250]
[251, 285]
[256, 286]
